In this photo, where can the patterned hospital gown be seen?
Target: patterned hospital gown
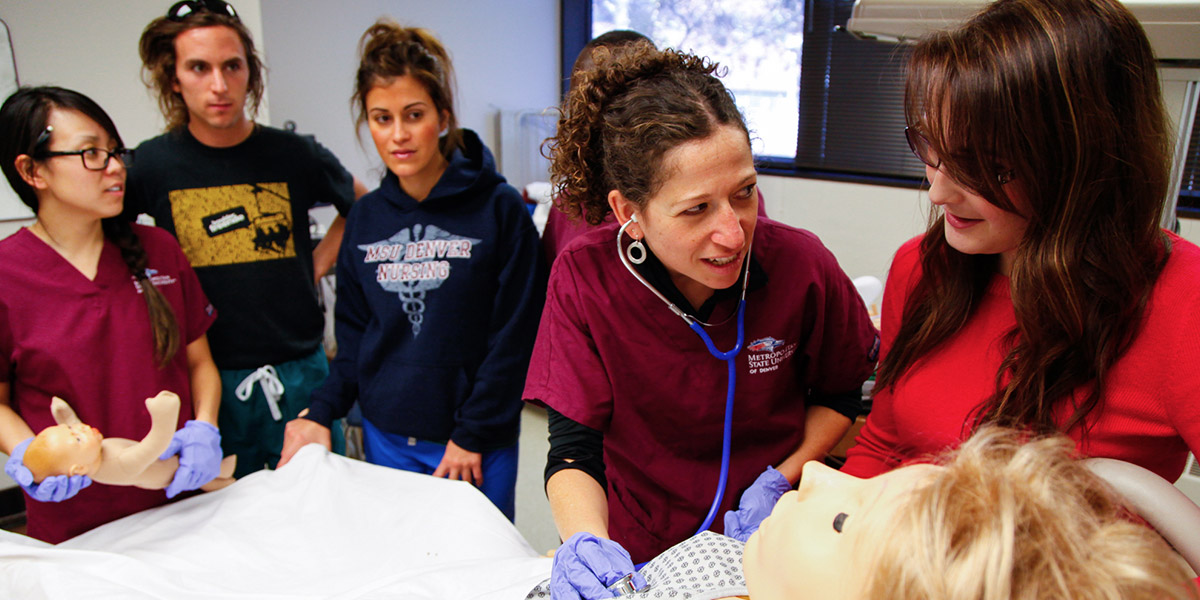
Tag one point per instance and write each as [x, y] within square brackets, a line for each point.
[703, 567]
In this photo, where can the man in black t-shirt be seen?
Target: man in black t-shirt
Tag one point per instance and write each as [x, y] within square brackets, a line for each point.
[236, 195]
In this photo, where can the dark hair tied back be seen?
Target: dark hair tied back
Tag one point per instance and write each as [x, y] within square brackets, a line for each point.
[388, 51]
[23, 119]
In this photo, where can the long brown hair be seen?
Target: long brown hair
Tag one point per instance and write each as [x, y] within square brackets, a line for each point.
[23, 119]
[157, 50]
[388, 51]
[1064, 93]
[623, 117]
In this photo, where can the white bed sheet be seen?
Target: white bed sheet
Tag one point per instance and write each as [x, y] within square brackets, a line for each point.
[324, 526]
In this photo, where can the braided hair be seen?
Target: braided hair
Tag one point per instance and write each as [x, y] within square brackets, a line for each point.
[23, 120]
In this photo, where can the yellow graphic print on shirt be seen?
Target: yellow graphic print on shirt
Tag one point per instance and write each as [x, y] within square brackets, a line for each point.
[234, 224]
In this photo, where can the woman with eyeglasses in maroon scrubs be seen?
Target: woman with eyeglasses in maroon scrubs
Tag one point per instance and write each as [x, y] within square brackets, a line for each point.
[94, 310]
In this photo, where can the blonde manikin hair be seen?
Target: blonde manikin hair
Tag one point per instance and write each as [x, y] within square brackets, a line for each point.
[1014, 518]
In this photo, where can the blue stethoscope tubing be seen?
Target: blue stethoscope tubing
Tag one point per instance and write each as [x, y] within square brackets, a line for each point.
[728, 356]
[730, 359]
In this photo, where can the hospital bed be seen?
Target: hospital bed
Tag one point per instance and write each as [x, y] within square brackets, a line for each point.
[326, 526]
[322, 527]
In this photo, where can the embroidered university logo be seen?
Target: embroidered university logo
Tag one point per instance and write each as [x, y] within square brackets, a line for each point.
[766, 344]
[414, 261]
[155, 279]
[767, 353]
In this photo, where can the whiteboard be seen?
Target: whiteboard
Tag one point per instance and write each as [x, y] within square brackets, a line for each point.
[11, 207]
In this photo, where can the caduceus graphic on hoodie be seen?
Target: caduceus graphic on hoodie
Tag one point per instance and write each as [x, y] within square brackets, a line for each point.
[414, 261]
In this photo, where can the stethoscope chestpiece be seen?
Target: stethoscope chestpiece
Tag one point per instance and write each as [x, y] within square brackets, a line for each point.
[624, 586]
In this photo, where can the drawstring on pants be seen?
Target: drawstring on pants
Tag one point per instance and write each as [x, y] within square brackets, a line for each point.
[272, 388]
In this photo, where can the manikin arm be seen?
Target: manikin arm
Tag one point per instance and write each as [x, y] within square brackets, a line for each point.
[63, 413]
[123, 462]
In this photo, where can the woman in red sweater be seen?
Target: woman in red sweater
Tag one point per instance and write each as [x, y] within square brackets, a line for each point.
[1044, 295]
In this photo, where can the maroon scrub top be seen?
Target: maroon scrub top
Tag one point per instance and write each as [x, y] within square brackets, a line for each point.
[89, 342]
[612, 356]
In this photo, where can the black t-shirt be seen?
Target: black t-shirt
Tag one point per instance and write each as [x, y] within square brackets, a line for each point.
[241, 216]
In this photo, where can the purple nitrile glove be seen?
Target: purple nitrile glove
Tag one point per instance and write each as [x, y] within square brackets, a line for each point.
[198, 445]
[585, 565]
[757, 502]
[51, 489]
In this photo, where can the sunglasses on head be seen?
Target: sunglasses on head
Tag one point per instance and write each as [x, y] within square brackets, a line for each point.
[186, 8]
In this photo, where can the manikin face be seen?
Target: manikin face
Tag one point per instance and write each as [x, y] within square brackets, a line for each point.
[405, 126]
[701, 221]
[798, 554]
[77, 447]
[212, 77]
[64, 185]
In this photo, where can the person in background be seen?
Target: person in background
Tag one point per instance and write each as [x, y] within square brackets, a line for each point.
[94, 310]
[634, 397]
[236, 194]
[440, 284]
[1045, 295]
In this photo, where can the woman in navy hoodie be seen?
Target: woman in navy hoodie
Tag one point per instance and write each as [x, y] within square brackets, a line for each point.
[438, 284]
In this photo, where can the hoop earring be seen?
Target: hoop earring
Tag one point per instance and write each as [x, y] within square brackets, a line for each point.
[636, 252]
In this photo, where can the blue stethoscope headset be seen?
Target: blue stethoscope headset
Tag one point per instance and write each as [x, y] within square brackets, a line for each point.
[729, 358]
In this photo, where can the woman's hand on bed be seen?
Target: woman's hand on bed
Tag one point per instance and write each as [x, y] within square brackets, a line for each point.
[299, 433]
[458, 463]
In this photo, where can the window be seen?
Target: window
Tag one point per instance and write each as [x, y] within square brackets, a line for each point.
[818, 101]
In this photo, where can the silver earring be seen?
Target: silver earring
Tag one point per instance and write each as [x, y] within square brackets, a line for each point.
[636, 252]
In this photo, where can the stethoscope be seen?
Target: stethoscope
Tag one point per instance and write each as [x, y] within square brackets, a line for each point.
[729, 357]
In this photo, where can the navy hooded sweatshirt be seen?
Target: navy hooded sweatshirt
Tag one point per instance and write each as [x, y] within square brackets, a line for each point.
[438, 303]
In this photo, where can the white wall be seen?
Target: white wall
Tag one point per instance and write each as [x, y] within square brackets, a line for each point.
[862, 225]
[505, 55]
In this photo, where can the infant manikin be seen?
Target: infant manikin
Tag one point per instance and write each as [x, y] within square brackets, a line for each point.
[74, 448]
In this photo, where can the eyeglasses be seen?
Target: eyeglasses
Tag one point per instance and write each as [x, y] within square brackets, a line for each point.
[95, 159]
[186, 8]
[921, 147]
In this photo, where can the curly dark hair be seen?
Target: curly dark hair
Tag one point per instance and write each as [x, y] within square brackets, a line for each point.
[624, 116]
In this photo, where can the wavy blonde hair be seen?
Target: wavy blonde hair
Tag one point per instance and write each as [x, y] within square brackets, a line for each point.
[1014, 518]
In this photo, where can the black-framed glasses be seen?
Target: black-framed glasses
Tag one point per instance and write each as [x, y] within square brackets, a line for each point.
[94, 159]
[921, 147]
[186, 8]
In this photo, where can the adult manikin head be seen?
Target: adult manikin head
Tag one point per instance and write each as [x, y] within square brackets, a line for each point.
[1001, 517]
